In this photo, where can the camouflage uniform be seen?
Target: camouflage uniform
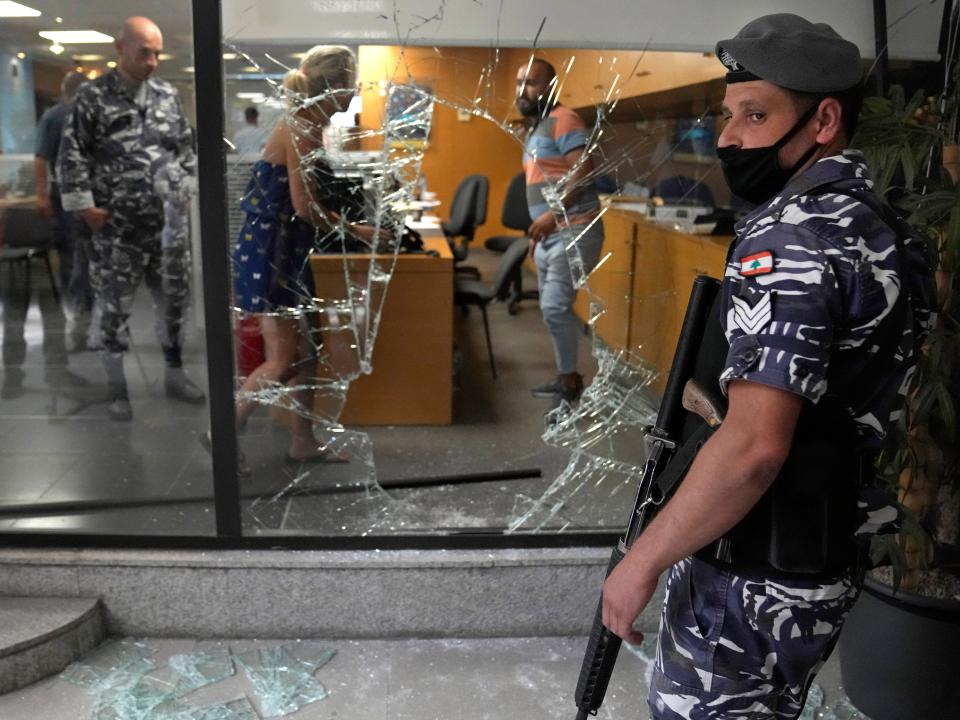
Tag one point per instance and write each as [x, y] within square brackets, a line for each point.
[808, 281]
[114, 143]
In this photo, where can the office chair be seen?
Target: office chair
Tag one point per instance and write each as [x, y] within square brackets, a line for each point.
[683, 189]
[468, 291]
[27, 236]
[467, 212]
[516, 216]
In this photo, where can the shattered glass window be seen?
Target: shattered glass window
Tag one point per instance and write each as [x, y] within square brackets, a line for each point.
[396, 353]
[386, 350]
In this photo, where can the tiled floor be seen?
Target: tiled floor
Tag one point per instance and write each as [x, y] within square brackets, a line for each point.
[487, 679]
[61, 447]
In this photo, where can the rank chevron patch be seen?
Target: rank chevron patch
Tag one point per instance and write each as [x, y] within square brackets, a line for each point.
[752, 319]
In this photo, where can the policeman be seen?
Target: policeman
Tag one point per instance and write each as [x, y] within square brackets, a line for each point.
[124, 127]
[824, 299]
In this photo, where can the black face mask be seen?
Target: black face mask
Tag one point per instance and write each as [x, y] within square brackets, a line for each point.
[755, 173]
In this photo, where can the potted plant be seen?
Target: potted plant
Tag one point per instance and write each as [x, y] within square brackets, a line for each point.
[900, 650]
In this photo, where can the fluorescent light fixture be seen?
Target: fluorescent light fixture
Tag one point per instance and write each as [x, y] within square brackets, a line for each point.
[164, 56]
[14, 9]
[58, 19]
[251, 68]
[298, 56]
[75, 37]
[229, 56]
[21, 55]
[188, 69]
[56, 48]
[112, 64]
[88, 58]
[250, 95]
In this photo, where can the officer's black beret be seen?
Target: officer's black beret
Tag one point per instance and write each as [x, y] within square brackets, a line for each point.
[792, 52]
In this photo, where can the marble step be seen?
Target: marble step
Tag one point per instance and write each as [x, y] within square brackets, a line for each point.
[39, 636]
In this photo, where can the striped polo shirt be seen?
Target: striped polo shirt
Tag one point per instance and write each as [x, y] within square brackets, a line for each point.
[544, 164]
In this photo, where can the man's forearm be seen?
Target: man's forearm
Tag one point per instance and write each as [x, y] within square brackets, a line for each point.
[727, 478]
[40, 177]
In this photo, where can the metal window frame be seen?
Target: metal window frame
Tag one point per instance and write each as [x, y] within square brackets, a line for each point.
[215, 253]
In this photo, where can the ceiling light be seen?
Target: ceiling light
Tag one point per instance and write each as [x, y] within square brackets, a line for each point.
[75, 37]
[251, 68]
[58, 19]
[56, 48]
[93, 74]
[229, 56]
[298, 56]
[250, 95]
[188, 69]
[21, 55]
[13, 9]
[164, 56]
[88, 58]
[112, 64]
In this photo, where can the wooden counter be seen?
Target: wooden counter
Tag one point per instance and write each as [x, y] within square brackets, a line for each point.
[645, 284]
[412, 378]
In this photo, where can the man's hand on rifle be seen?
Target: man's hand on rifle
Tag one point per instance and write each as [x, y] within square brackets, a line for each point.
[626, 592]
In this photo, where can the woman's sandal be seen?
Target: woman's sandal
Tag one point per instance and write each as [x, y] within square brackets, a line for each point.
[321, 456]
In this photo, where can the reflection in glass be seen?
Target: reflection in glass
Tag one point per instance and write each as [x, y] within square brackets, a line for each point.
[103, 365]
[425, 120]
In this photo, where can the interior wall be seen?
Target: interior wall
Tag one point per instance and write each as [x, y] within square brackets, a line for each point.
[457, 147]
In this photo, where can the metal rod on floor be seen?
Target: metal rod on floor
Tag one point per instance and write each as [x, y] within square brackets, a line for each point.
[79, 507]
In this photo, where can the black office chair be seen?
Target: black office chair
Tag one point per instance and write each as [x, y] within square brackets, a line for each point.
[683, 189]
[468, 291]
[468, 211]
[26, 237]
[516, 216]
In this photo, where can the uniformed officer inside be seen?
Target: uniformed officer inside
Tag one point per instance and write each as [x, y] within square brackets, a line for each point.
[126, 165]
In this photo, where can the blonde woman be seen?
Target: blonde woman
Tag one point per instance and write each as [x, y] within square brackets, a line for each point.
[288, 206]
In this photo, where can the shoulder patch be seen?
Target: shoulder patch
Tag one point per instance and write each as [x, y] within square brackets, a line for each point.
[756, 264]
[751, 320]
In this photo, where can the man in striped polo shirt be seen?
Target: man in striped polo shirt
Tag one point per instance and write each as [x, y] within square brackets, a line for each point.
[564, 231]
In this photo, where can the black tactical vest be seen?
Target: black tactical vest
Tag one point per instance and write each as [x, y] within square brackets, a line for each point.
[805, 522]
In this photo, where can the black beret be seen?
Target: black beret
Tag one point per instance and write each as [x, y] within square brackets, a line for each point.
[792, 52]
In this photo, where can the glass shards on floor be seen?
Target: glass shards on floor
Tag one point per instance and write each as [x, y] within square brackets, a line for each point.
[128, 684]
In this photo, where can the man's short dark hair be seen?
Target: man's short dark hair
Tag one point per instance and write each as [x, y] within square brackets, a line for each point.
[251, 114]
[551, 72]
[851, 101]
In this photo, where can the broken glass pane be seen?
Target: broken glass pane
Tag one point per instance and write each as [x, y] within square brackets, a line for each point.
[282, 675]
[426, 116]
[197, 670]
[234, 710]
[117, 664]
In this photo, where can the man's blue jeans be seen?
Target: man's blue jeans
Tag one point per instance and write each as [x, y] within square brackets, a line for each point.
[555, 282]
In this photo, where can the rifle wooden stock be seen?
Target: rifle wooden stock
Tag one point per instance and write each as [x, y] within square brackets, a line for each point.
[603, 646]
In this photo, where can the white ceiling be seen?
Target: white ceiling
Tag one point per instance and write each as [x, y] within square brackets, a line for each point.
[283, 26]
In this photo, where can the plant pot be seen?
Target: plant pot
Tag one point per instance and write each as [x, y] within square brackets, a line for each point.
[900, 655]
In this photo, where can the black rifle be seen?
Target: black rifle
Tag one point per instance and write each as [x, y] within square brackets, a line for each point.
[661, 442]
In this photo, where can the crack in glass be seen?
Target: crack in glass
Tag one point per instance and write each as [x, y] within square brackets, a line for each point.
[366, 183]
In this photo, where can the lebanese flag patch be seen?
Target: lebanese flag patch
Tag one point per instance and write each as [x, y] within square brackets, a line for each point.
[758, 264]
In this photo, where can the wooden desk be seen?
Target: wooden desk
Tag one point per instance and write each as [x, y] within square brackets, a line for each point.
[412, 378]
[12, 201]
[646, 283]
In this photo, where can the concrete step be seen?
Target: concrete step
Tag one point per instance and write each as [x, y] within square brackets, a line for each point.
[348, 594]
[41, 636]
